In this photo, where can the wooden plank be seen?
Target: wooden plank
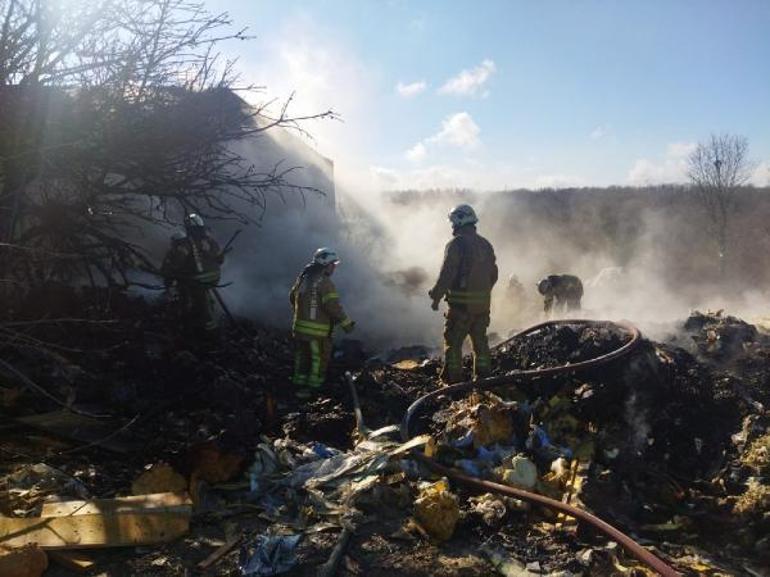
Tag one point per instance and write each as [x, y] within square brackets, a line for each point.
[91, 531]
[219, 553]
[69, 425]
[73, 560]
[156, 503]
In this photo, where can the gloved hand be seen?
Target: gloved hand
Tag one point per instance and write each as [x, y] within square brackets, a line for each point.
[349, 327]
[434, 304]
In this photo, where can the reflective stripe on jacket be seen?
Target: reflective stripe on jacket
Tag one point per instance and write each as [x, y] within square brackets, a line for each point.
[316, 305]
[468, 273]
[194, 261]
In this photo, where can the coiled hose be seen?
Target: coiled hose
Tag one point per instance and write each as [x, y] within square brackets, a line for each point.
[514, 377]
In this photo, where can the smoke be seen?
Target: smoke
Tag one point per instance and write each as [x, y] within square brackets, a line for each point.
[654, 249]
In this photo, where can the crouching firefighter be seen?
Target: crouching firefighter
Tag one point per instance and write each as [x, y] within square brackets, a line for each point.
[560, 292]
[194, 265]
[317, 310]
[467, 276]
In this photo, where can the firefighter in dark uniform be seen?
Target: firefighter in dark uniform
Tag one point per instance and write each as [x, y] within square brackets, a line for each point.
[561, 292]
[193, 265]
[468, 273]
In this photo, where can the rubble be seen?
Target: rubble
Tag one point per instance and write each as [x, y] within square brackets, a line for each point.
[669, 444]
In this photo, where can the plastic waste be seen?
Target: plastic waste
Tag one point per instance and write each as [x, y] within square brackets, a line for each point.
[270, 555]
[522, 473]
[540, 442]
[323, 451]
[469, 466]
[265, 464]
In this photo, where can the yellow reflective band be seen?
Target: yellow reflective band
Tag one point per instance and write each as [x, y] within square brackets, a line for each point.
[312, 324]
[329, 296]
[315, 364]
[347, 322]
[205, 276]
[468, 296]
[311, 332]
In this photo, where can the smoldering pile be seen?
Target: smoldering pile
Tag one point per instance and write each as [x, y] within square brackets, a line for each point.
[667, 444]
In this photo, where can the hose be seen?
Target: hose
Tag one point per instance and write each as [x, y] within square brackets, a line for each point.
[512, 377]
[518, 375]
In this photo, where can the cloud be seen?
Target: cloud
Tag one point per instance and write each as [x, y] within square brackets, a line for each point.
[680, 150]
[412, 89]
[761, 175]
[417, 152]
[459, 130]
[599, 132]
[671, 168]
[470, 82]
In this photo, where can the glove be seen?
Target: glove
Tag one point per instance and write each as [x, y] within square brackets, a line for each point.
[349, 327]
[434, 304]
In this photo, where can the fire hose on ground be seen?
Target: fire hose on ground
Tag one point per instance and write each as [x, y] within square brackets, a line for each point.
[513, 377]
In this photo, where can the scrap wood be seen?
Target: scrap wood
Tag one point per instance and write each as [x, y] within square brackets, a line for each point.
[219, 553]
[27, 561]
[126, 521]
[94, 530]
[329, 569]
[156, 503]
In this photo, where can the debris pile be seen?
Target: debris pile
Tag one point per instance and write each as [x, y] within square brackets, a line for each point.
[670, 445]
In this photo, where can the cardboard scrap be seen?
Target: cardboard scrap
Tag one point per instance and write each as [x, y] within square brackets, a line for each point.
[159, 478]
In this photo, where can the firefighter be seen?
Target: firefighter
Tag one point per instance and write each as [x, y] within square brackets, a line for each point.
[563, 290]
[467, 276]
[193, 264]
[317, 310]
[514, 292]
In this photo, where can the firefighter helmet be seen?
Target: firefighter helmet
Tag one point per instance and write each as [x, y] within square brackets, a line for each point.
[325, 256]
[544, 286]
[461, 215]
[194, 220]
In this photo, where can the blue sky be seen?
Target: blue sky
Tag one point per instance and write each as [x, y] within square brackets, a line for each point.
[493, 94]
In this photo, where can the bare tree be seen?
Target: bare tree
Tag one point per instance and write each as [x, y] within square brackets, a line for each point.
[117, 113]
[718, 168]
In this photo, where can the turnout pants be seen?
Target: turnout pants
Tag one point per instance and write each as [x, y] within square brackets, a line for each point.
[311, 360]
[198, 306]
[460, 324]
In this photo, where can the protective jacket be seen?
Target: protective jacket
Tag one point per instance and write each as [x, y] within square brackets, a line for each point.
[191, 261]
[468, 273]
[564, 289]
[316, 304]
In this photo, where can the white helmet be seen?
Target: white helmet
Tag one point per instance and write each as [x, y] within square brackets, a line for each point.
[325, 256]
[194, 220]
[461, 215]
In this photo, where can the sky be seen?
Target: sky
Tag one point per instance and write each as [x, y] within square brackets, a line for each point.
[498, 94]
